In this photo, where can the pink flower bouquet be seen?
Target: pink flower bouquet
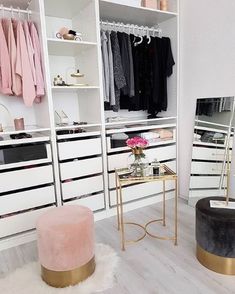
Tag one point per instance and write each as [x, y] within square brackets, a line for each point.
[137, 142]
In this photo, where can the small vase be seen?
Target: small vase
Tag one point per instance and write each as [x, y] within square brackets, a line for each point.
[137, 163]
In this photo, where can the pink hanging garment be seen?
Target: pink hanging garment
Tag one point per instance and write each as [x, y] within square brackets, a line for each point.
[30, 50]
[40, 86]
[11, 42]
[5, 68]
[23, 67]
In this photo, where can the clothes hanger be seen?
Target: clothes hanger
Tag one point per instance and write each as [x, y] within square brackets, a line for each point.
[19, 15]
[12, 13]
[139, 35]
[28, 14]
[3, 12]
[148, 35]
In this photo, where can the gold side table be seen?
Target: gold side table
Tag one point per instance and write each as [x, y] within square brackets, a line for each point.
[123, 177]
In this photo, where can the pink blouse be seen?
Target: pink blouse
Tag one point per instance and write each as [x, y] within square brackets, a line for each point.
[23, 68]
[16, 79]
[40, 86]
[5, 68]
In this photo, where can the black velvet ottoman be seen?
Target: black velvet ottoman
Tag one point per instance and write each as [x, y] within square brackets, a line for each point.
[215, 236]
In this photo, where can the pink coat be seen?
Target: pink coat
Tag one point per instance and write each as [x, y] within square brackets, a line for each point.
[40, 86]
[5, 68]
[30, 49]
[11, 42]
[23, 68]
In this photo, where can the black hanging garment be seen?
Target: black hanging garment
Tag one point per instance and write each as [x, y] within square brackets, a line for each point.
[163, 63]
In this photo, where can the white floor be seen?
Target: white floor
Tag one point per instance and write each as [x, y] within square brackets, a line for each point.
[150, 266]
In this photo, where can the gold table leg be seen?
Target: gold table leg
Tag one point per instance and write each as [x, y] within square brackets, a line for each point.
[117, 201]
[164, 203]
[122, 222]
[176, 211]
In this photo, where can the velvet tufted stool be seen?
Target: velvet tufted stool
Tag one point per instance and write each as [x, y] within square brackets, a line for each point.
[215, 235]
[66, 245]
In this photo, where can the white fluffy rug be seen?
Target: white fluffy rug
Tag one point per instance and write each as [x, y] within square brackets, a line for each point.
[27, 280]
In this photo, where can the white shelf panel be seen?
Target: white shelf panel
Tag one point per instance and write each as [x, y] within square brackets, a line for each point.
[70, 127]
[64, 9]
[36, 137]
[140, 128]
[161, 119]
[136, 15]
[60, 47]
[126, 148]
[24, 163]
[78, 135]
[28, 129]
[72, 88]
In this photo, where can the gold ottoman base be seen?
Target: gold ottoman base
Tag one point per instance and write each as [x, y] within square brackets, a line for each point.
[62, 279]
[219, 264]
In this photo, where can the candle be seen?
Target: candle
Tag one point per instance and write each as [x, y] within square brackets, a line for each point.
[164, 5]
[19, 124]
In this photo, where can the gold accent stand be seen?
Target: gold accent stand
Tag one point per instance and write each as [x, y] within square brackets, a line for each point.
[123, 177]
[219, 264]
[62, 279]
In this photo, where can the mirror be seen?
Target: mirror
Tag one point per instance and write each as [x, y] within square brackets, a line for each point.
[212, 147]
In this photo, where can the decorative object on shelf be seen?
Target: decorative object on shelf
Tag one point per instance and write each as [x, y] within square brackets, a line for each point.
[6, 110]
[149, 4]
[19, 124]
[67, 132]
[58, 81]
[164, 5]
[67, 34]
[137, 160]
[20, 136]
[61, 118]
[77, 75]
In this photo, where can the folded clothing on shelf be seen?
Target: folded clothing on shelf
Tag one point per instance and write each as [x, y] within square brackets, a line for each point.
[164, 133]
[213, 137]
[118, 140]
[150, 135]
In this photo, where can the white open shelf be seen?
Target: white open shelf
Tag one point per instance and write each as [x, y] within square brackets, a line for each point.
[60, 47]
[36, 138]
[129, 122]
[130, 14]
[155, 144]
[79, 135]
[70, 127]
[140, 128]
[28, 129]
[72, 88]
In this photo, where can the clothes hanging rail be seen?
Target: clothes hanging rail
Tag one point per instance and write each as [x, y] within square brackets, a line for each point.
[131, 28]
[16, 10]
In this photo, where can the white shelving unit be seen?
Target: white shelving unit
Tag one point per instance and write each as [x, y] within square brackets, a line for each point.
[80, 166]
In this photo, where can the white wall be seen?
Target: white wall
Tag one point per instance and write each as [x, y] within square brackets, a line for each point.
[207, 48]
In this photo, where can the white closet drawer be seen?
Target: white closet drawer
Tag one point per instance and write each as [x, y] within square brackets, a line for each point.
[20, 222]
[204, 153]
[82, 187]
[133, 192]
[161, 153]
[112, 182]
[80, 148]
[94, 202]
[206, 168]
[26, 200]
[207, 193]
[204, 182]
[80, 168]
[24, 178]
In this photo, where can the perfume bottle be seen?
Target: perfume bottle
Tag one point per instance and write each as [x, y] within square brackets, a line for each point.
[156, 167]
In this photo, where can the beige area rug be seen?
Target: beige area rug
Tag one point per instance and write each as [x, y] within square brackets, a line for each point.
[27, 280]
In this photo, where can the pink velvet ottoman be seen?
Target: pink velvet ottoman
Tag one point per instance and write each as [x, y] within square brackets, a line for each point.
[66, 245]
